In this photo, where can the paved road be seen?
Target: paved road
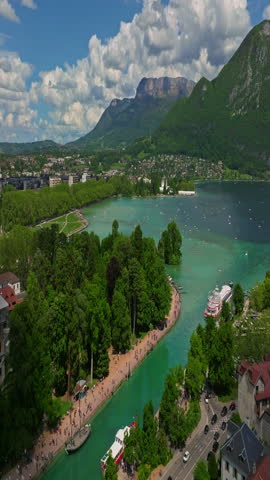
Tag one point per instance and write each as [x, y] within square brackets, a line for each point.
[198, 445]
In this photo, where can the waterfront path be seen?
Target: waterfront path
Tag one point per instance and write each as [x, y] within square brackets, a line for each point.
[50, 443]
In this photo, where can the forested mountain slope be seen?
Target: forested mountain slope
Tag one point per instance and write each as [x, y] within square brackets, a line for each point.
[229, 118]
[125, 120]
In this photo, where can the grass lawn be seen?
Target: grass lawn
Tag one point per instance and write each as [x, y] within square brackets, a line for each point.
[58, 220]
[70, 227]
[67, 223]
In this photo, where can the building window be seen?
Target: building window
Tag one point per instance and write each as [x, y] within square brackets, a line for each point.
[234, 473]
[227, 466]
[257, 389]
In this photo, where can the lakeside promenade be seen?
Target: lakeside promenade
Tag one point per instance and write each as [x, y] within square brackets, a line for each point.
[121, 365]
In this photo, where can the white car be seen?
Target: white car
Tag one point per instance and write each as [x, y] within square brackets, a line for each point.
[186, 456]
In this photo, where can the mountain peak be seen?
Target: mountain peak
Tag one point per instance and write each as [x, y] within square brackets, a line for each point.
[164, 86]
[125, 120]
[266, 28]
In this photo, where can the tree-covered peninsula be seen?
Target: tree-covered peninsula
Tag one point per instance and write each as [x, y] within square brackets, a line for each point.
[82, 296]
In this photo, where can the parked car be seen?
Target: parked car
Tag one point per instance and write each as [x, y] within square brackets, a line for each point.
[186, 456]
[224, 411]
[213, 419]
[232, 406]
[206, 429]
[216, 436]
[215, 446]
[223, 426]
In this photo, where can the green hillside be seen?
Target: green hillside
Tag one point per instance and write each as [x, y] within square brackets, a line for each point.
[128, 119]
[229, 118]
[116, 129]
[24, 148]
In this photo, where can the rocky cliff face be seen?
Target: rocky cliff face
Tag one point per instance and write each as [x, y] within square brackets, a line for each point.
[164, 87]
[130, 118]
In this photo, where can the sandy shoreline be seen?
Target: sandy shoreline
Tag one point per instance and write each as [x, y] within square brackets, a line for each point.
[51, 443]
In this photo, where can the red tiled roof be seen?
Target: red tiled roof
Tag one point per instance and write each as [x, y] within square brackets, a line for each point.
[8, 277]
[243, 367]
[9, 295]
[264, 394]
[262, 470]
[259, 370]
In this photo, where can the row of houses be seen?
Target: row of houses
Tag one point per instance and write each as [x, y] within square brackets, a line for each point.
[10, 295]
[36, 182]
[245, 454]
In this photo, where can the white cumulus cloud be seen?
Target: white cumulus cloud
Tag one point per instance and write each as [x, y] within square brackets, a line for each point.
[15, 109]
[7, 11]
[29, 4]
[266, 13]
[190, 39]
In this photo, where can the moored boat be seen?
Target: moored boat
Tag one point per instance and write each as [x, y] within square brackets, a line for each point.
[78, 439]
[216, 299]
[117, 448]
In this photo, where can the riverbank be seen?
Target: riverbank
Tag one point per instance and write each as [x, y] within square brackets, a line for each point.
[121, 367]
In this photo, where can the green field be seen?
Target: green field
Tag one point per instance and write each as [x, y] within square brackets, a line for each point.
[68, 223]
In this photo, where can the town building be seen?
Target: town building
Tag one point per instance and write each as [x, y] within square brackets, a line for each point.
[85, 177]
[264, 427]
[10, 295]
[253, 391]
[53, 181]
[261, 471]
[9, 278]
[73, 179]
[241, 452]
[4, 331]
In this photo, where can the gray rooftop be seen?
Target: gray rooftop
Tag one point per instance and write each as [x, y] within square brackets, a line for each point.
[242, 449]
[232, 428]
[3, 303]
[266, 416]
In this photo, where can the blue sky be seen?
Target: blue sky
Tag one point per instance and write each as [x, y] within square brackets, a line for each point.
[87, 59]
[58, 31]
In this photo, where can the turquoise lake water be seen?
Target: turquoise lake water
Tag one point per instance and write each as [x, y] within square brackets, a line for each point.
[226, 236]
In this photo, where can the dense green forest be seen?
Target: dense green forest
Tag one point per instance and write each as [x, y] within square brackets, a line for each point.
[169, 246]
[252, 340]
[82, 295]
